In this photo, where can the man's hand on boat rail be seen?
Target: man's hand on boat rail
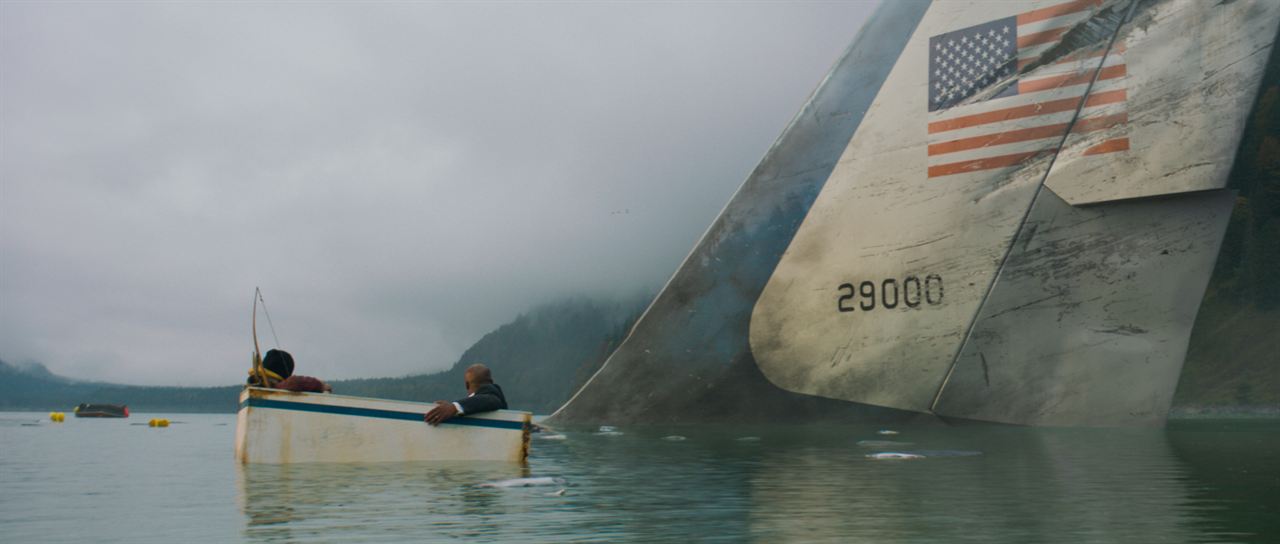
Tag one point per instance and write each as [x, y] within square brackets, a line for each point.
[441, 413]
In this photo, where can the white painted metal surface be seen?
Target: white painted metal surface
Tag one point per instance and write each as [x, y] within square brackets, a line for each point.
[917, 248]
[275, 426]
[1193, 70]
[1086, 325]
[990, 210]
[890, 282]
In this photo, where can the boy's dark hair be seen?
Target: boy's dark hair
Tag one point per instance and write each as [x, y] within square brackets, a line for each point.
[278, 361]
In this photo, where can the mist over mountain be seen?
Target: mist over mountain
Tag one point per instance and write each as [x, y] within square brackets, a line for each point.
[539, 358]
[542, 356]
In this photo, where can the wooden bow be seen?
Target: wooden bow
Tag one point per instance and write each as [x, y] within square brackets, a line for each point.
[257, 353]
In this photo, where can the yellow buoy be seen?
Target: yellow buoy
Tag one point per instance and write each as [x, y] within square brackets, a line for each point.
[57, 417]
[158, 422]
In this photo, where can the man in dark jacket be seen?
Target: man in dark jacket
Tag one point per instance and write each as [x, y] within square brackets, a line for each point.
[482, 396]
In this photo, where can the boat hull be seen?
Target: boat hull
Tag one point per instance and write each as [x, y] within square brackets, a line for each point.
[275, 426]
[102, 410]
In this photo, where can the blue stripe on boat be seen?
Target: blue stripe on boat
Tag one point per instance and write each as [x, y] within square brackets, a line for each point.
[371, 412]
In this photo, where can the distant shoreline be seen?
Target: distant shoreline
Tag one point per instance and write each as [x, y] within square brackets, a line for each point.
[1215, 412]
[1176, 413]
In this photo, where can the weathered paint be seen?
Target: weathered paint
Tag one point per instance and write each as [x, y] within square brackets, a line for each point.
[1066, 274]
[1193, 71]
[275, 426]
[882, 219]
[1089, 320]
[688, 358]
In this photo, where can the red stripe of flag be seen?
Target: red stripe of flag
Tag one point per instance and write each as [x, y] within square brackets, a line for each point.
[1056, 11]
[1027, 134]
[1067, 80]
[1109, 146]
[1118, 49]
[984, 163]
[1028, 110]
[1038, 38]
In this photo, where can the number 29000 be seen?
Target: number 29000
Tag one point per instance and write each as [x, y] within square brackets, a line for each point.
[911, 292]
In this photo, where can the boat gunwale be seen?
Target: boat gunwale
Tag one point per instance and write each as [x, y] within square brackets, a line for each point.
[372, 407]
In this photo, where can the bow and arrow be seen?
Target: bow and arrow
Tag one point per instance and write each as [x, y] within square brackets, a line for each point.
[258, 371]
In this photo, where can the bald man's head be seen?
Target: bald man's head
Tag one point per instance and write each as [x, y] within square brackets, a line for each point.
[476, 376]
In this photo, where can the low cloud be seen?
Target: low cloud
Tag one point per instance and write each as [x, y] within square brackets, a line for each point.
[399, 178]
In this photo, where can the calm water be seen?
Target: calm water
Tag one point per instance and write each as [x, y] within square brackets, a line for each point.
[118, 481]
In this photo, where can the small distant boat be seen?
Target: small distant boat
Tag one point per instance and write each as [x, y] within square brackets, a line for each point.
[102, 410]
[277, 426]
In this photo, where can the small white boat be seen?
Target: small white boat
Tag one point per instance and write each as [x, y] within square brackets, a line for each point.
[276, 426]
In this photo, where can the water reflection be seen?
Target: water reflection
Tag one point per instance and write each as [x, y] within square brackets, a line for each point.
[1027, 486]
[1234, 477]
[359, 501]
[812, 484]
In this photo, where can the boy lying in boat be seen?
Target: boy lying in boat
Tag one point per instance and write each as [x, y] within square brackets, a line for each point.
[277, 365]
[482, 396]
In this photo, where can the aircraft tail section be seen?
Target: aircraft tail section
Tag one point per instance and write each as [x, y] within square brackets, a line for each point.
[989, 210]
[688, 358]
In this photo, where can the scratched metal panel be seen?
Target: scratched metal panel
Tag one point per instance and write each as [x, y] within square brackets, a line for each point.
[908, 178]
[1088, 322]
[873, 298]
[1192, 69]
[688, 358]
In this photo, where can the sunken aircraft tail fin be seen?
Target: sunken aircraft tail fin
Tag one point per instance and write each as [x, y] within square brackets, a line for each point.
[987, 211]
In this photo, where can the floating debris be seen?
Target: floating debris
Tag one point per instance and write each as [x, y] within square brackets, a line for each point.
[549, 436]
[886, 431]
[947, 453]
[748, 439]
[922, 454]
[674, 438]
[559, 493]
[608, 430]
[882, 443]
[524, 482]
[894, 455]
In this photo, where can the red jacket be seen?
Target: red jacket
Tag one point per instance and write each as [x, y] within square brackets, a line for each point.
[298, 382]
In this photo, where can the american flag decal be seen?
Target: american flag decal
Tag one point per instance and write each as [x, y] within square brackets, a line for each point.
[983, 114]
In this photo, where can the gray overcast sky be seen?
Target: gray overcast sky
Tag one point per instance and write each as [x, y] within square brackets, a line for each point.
[399, 178]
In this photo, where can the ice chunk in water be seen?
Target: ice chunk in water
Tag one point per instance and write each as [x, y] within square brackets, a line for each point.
[524, 482]
[882, 443]
[894, 455]
[608, 430]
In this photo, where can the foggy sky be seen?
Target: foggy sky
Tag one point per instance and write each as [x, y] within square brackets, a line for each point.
[399, 178]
